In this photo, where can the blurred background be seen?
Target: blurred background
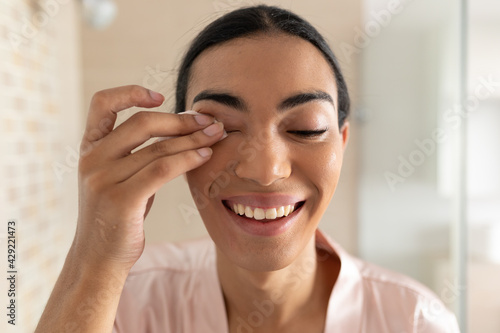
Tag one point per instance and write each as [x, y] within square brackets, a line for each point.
[420, 187]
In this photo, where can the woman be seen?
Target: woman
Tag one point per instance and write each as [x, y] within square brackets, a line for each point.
[261, 175]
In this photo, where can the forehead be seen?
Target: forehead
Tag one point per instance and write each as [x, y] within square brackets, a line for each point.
[274, 65]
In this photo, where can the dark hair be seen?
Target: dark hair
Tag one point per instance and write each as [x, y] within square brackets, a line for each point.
[250, 21]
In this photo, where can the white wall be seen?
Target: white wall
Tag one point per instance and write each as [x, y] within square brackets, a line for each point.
[410, 83]
[404, 220]
[483, 166]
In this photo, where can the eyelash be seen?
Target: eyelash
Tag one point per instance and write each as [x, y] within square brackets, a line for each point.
[309, 133]
[304, 134]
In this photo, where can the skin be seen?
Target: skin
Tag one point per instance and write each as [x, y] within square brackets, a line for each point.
[117, 187]
[116, 191]
[261, 72]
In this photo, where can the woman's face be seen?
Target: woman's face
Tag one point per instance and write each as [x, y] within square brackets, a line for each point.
[276, 96]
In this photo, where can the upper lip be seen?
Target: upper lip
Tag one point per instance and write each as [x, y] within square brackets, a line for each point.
[260, 200]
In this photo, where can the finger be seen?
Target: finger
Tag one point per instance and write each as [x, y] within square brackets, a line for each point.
[149, 205]
[150, 179]
[144, 125]
[128, 166]
[107, 103]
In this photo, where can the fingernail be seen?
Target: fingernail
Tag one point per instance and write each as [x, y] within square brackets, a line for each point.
[213, 129]
[203, 120]
[189, 112]
[156, 96]
[223, 135]
[204, 152]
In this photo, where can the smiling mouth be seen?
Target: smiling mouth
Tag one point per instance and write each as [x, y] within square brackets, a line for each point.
[262, 214]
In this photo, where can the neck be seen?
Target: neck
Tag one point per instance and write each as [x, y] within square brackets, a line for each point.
[276, 300]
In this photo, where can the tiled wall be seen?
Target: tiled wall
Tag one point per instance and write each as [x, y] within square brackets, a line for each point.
[40, 116]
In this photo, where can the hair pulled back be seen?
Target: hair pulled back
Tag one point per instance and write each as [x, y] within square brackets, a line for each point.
[248, 21]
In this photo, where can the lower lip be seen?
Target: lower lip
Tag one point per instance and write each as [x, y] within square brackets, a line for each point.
[269, 228]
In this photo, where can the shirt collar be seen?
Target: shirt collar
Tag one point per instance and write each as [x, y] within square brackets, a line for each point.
[345, 306]
[346, 300]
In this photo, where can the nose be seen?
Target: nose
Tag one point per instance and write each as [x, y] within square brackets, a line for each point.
[264, 160]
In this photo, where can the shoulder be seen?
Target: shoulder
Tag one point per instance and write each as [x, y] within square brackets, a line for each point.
[370, 298]
[166, 265]
[402, 302]
[181, 258]
[168, 288]
[375, 277]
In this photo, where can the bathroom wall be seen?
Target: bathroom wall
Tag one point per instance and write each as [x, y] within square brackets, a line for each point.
[40, 125]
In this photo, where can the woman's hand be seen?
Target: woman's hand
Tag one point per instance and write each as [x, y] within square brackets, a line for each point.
[117, 187]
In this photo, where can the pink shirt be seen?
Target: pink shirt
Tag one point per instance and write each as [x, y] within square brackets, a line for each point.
[175, 288]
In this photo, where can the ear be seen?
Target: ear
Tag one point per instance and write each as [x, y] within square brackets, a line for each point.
[344, 132]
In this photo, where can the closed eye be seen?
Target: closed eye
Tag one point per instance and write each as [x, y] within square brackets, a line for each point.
[309, 133]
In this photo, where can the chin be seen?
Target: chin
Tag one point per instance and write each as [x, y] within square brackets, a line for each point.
[254, 252]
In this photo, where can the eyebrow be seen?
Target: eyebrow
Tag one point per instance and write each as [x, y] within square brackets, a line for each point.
[288, 103]
[305, 97]
[222, 98]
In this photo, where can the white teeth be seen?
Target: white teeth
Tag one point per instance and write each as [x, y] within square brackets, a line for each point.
[287, 210]
[248, 212]
[260, 213]
[280, 212]
[241, 209]
[271, 213]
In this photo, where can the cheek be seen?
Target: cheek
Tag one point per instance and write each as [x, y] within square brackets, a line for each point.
[321, 165]
[210, 178]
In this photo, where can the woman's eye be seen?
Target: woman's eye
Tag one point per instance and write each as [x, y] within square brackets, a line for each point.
[309, 133]
[229, 131]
